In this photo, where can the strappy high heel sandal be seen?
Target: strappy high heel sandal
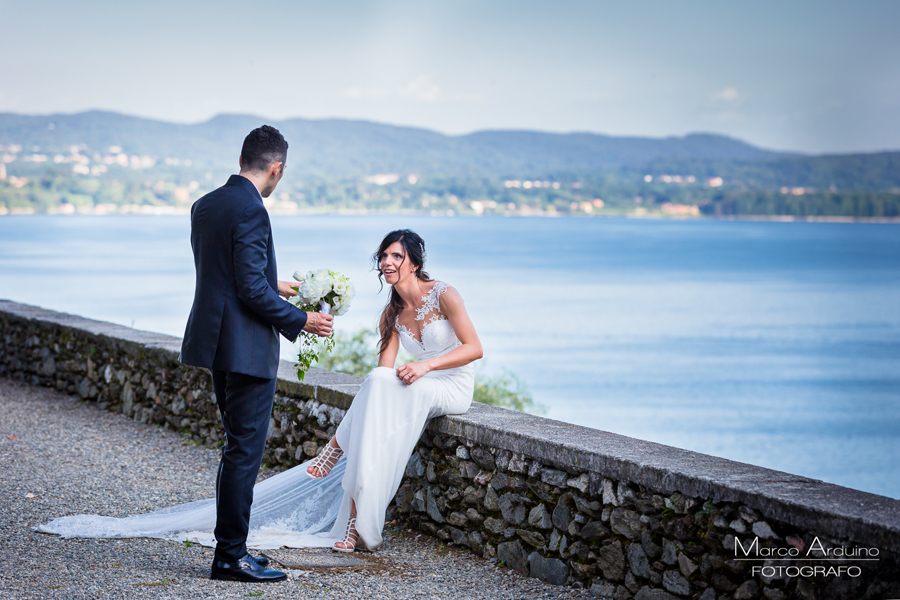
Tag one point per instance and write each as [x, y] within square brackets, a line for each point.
[325, 461]
[350, 537]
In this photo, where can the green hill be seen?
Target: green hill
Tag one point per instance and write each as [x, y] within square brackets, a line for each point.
[344, 148]
[102, 161]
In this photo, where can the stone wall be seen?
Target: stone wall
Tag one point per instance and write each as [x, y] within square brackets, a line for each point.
[623, 517]
[138, 373]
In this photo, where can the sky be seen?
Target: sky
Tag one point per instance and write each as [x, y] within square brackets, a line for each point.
[810, 76]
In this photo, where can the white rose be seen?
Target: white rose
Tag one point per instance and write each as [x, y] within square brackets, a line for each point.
[340, 307]
[298, 276]
[324, 287]
[309, 291]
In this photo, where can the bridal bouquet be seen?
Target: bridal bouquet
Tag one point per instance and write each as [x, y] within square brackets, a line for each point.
[325, 291]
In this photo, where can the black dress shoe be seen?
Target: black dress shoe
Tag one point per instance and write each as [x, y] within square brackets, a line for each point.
[245, 569]
[261, 561]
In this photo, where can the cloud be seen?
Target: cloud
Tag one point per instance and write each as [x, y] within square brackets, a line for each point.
[420, 89]
[729, 94]
[602, 96]
[358, 92]
[468, 98]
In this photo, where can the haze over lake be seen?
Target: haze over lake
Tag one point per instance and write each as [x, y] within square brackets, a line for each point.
[776, 344]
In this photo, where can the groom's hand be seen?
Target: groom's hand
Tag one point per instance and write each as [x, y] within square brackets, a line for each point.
[318, 324]
[288, 289]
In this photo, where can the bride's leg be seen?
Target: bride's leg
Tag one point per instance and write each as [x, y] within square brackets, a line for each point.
[349, 543]
[326, 460]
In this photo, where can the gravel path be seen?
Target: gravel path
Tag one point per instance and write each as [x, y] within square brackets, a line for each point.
[61, 456]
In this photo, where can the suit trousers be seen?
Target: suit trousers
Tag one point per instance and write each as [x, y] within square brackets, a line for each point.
[245, 405]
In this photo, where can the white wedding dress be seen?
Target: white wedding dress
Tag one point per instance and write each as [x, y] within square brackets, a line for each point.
[377, 434]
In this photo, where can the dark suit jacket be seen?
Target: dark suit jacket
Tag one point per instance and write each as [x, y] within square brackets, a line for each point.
[237, 312]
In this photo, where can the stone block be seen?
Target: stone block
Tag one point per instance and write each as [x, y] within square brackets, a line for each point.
[48, 367]
[543, 491]
[669, 553]
[580, 483]
[654, 594]
[611, 560]
[491, 500]
[625, 494]
[445, 442]
[579, 550]
[458, 519]
[127, 399]
[418, 503]
[84, 388]
[500, 481]
[502, 459]
[625, 522]
[483, 457]
[738, 526]
[474, 516]
[551, 570]
[763, 530]
[721, 583]
[583, 571]
[747, 590]
[686, 565]
[651, 548]
[637, 560]
[473, 496]
[310, 448]
[591, 509]
[483, 477]
[539, 517]
[431, 506]
[554, 541]
[561, 516]
[518, 464]
[675, 582]
[594, 532]
[532, 538]
[415, 467]
[495, 526]
[512, 508]
[603, 590]
[513, 556]
[554, 477]
[458, 536]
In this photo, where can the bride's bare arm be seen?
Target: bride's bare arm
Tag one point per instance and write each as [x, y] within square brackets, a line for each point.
[389, 356]
[454, 309]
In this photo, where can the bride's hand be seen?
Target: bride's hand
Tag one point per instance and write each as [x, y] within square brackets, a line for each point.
[409, 372]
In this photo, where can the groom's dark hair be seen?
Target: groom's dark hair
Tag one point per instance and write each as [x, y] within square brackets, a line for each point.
[262, 147]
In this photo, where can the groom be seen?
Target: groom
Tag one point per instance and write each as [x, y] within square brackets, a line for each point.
[233, 331]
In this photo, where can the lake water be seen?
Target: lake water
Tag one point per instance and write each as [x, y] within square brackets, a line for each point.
[776, 344]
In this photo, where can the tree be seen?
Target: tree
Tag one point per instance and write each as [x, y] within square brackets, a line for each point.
[357, 354]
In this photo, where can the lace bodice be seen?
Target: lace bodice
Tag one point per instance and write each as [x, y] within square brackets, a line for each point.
[437, 335]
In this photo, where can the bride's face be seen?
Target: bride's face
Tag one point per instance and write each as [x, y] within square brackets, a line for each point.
[394, 264]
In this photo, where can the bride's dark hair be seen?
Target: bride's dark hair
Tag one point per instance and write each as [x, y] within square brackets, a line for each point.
[414, 250]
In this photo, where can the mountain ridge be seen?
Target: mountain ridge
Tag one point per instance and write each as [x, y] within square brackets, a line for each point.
[357, 147]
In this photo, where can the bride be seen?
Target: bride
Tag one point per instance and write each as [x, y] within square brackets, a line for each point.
[339, 498]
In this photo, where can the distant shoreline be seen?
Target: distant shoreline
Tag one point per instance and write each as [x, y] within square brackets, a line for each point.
[181, 212]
